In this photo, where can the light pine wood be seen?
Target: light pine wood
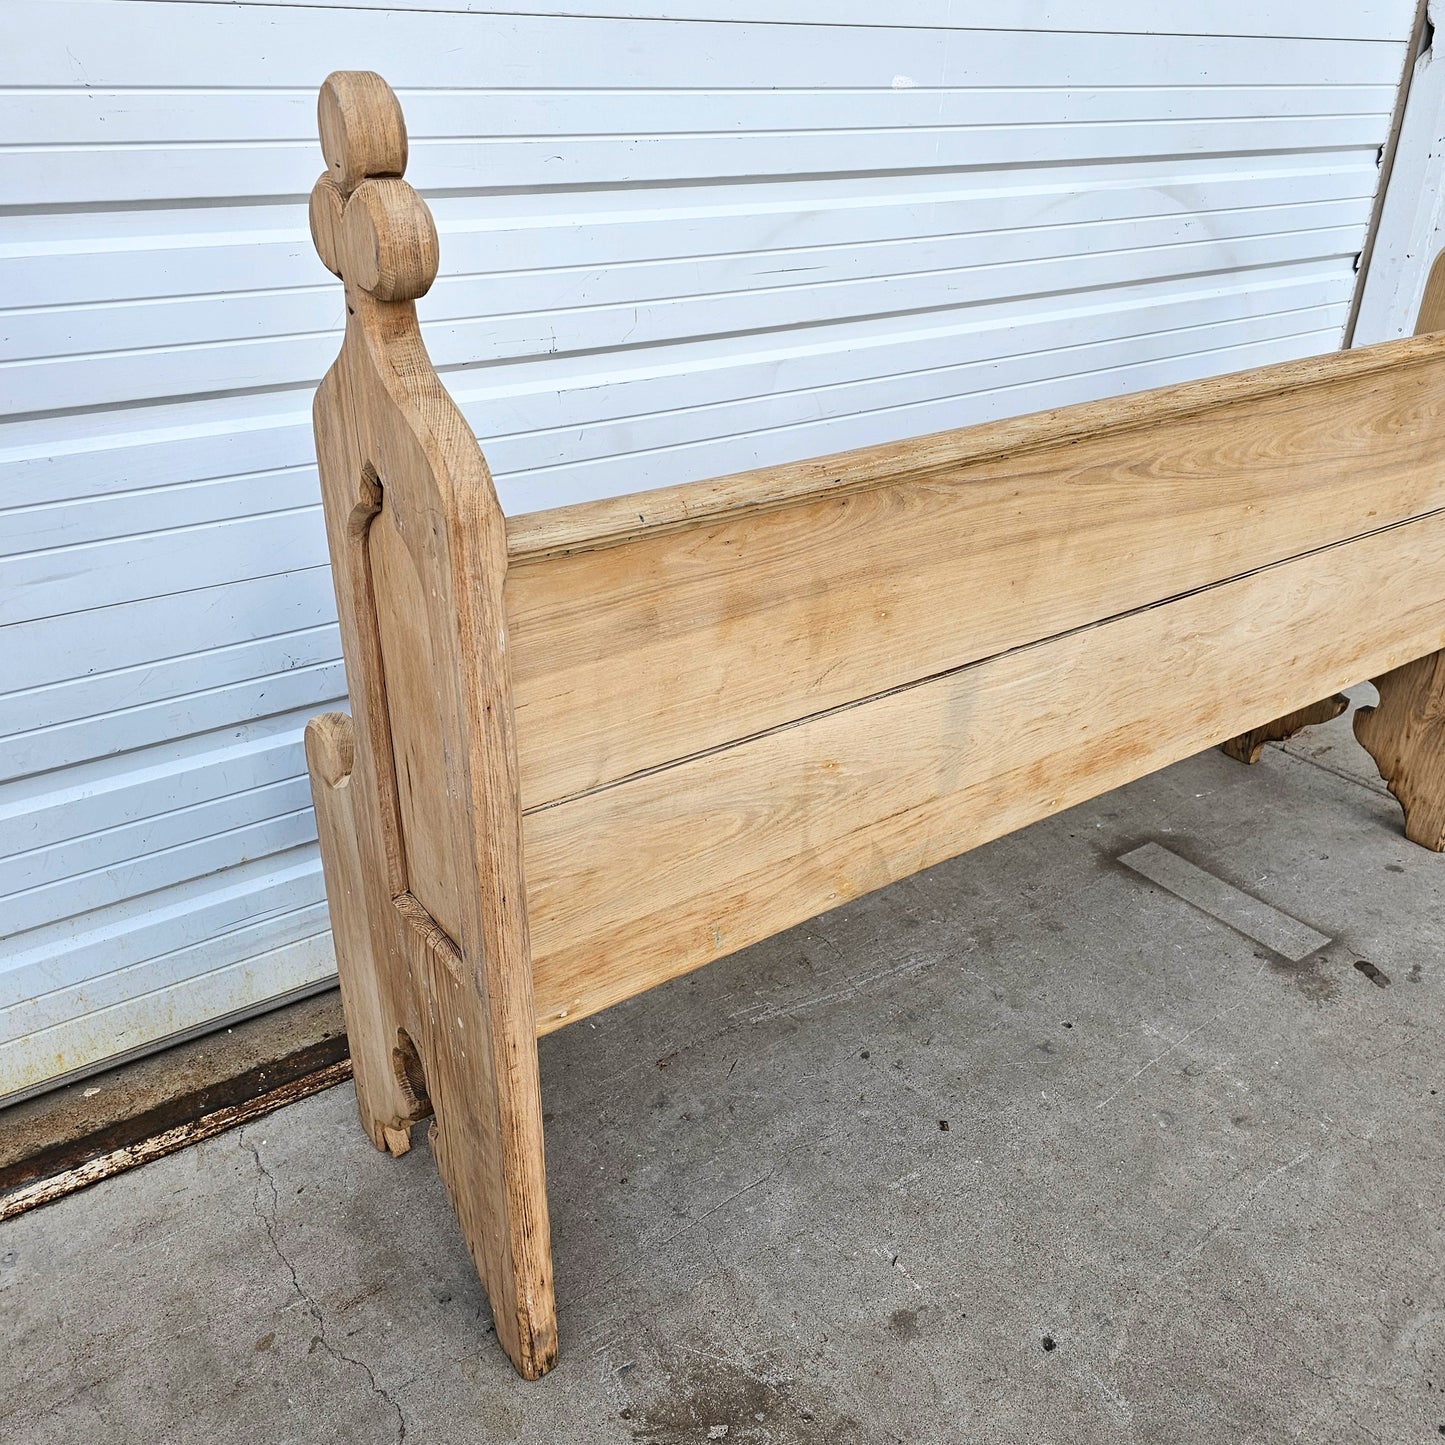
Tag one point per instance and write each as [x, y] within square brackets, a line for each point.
[636, 883]
[423, 778]
[385, 1098]
[1405, 735]
[587, 526]
[594, 748]
[668, 643]
[418, 550]
[1249, 746]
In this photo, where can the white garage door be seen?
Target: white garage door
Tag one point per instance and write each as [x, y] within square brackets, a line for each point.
[682, 243]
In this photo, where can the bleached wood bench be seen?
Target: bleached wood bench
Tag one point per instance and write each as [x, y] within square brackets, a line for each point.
[593, 748]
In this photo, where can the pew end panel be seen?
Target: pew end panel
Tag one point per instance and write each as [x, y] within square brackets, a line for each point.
[440, 1001]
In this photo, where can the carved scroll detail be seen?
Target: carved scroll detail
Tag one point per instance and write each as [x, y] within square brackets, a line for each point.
[1405, 735]
[1248, 747]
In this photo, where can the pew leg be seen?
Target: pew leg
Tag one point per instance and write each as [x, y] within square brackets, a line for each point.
[1247, 747]
[1405, 735]
[488, 1148]
[390, 1092]
[426, 1038]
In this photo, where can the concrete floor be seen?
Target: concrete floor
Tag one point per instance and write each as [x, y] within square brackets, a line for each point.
[1021, 1149]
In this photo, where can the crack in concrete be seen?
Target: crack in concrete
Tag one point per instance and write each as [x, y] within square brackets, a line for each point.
[697, 1219]
[1224, 1220]
[268, 1222]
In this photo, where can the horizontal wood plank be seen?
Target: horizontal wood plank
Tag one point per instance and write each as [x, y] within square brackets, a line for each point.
[804, 588]
[610, 521]
[637, 883]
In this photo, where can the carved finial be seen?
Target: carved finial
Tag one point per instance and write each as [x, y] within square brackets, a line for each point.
[368, 224]
[327, 205]
[389, 241]
[363, 132]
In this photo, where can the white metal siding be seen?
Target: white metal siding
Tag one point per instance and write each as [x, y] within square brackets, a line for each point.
[671, 248]
[1411, 228]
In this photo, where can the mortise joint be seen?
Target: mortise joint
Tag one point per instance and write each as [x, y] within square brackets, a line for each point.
[407, 1065]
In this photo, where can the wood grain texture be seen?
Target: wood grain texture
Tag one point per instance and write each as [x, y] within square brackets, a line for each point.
[419, 556]
[1405, 735]
[594, 750]
[386, 1105]
[649, 878]
[362, 129]
[1249, 746]
[421, 767]
[608, 522]
[388, 241]
[680, 639]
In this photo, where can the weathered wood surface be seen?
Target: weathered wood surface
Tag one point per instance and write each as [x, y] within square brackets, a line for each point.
[408, 497]
[679, 639]
[387, 1107]
[644, 880]
[434, 871]
[605, 523]
[1249, 746]
[593, 749]
[1405, 735]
